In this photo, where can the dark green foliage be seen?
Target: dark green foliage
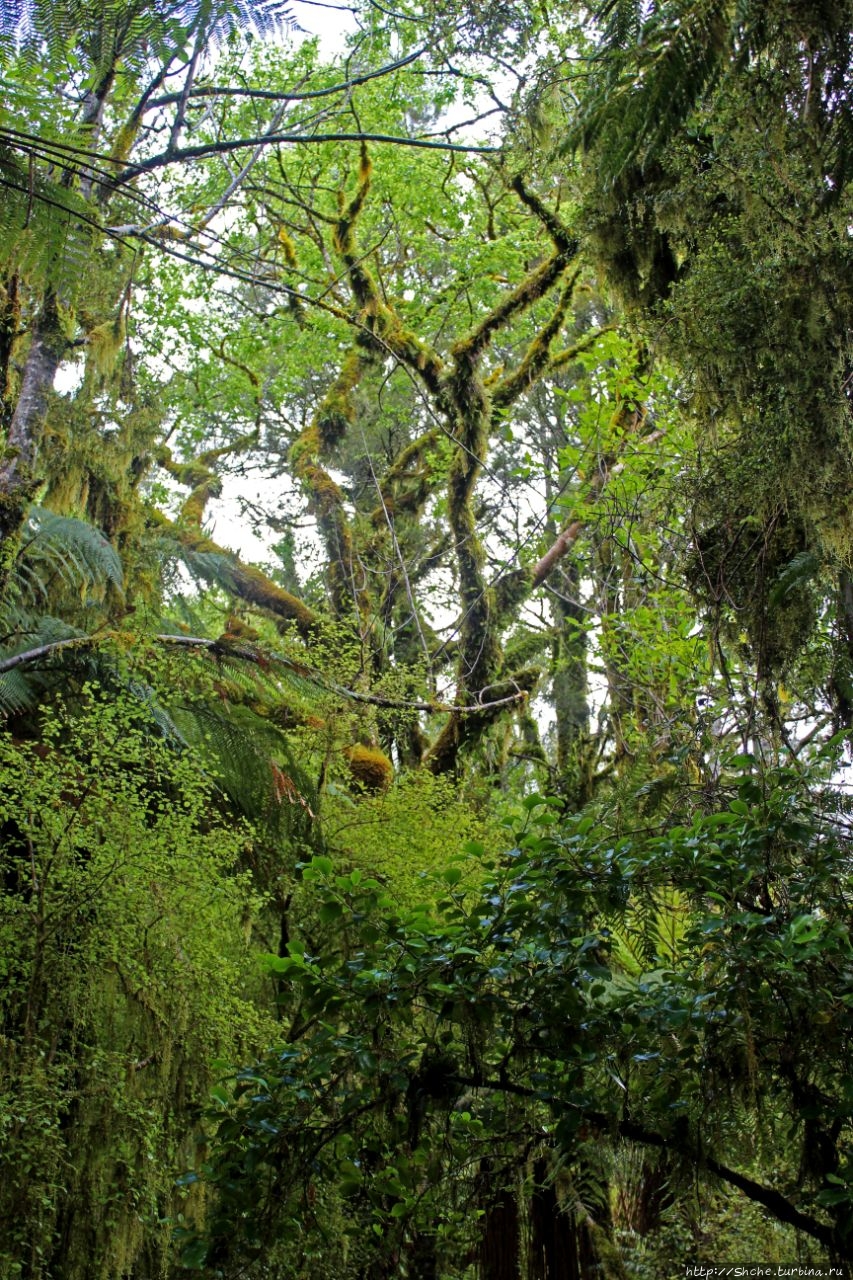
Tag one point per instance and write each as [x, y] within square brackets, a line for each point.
[656, 65]
[533, 1020]
[718, 142]
[653, 65]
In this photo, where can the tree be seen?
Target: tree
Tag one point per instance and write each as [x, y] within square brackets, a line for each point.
[718, 150]
[456, 377]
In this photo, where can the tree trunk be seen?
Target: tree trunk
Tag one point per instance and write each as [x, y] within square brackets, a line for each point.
[500, 1242]
[19, 478]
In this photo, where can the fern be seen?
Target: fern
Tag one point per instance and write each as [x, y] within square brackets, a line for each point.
[60, 559]
[46, 230]
[655, 64]
[131, 28]
[652, 70]
[250, 759]
[799, 572]
[64, 548]
[651, 933]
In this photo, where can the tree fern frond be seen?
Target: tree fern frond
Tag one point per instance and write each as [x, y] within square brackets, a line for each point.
[206, 566]
[22, 631]
[249, 758]
[76, 551]
[46, 230]
[128, 28]
[644, 89]
[623, 22]
[17, 693]
[669, 924]
[650, 933]
[626, 951]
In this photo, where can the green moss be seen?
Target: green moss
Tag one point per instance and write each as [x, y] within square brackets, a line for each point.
[112, 1013]
[370, 767]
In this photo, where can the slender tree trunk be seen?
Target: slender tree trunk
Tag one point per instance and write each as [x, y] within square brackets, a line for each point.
[570, 685]
[10, 324]
[553, 1234]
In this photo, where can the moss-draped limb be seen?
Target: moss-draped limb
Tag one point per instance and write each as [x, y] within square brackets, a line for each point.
[536, 358]
[539, 361]
[534, 286]
[569, 354]
[406, 484]
[376, 316]
[245, 581]
[479, 647]
[336, 413]
[472, 412]
[200, 475]
[361, 280]
[557, 230]
[10, 335]
[380, 331]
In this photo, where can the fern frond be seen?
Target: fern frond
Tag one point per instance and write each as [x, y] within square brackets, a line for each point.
[799, 572]
[652, 71]
[250, 759]
[46, 230]
[129, 29]
[66, 547]
[17, 693]
[651, 933]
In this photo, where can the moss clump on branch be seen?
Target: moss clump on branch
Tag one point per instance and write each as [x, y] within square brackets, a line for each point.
[369, 767]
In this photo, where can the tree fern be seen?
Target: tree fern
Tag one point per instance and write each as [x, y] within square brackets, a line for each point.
[250, 760]
[60, 560]
[46, 229]
[225, 715]
[650, 934]
[127, 27]
[75, 552]
[655, 64]
[651, 69]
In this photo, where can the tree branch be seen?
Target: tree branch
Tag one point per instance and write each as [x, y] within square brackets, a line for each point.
[771, 1199]
[273, 95]
[205, 150]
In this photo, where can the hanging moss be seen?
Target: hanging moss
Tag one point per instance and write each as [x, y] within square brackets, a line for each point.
[122, 981]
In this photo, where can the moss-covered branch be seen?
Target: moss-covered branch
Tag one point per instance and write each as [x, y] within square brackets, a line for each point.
[407, 483]
[536, 358]
[465, 724]
[336, 413]
[247, 583]
[539, 361]
[200, 475]
[375, 314]
[472, 411]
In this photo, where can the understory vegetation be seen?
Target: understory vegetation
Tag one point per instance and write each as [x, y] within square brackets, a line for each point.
[426, 639]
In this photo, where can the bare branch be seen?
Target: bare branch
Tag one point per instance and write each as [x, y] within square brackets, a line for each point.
[274, 95]
[207, 149]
